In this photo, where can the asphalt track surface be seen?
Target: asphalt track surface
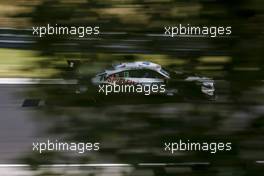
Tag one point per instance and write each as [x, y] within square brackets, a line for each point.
[20, 126]
[18, 123]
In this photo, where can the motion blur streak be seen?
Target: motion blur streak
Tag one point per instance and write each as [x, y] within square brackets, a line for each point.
[132, 129]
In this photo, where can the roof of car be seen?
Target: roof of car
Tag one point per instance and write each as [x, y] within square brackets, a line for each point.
[137, 65]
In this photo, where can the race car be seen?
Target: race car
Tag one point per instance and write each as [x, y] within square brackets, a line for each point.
[149, 73]
[136, 72]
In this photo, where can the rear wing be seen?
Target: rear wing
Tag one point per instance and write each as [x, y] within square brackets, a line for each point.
[73, 63]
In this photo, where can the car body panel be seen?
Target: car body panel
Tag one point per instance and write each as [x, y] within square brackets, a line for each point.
[150, 73]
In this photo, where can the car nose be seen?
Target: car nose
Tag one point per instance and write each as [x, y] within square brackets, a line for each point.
[208, 88]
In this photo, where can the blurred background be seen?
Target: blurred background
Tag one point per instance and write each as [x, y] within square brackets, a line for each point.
[132, 131]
